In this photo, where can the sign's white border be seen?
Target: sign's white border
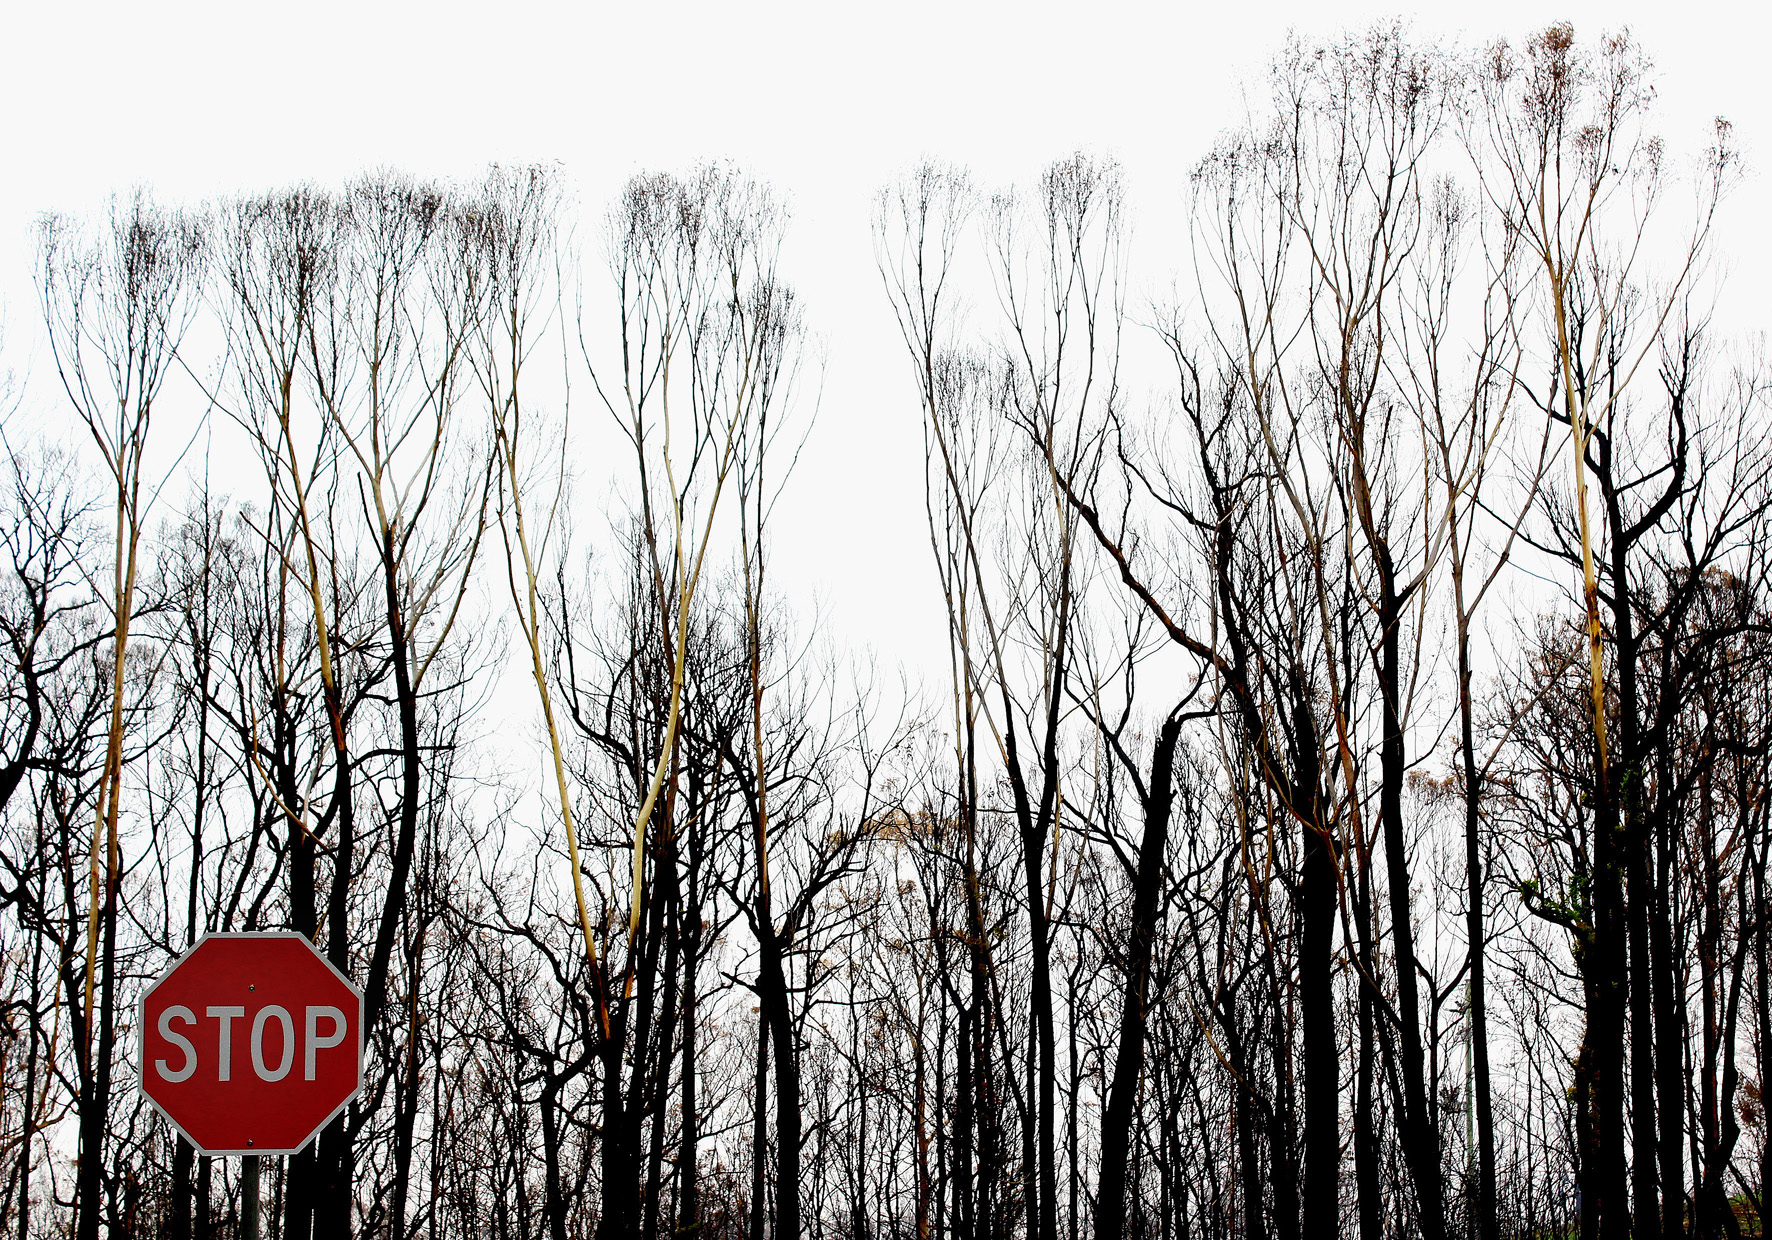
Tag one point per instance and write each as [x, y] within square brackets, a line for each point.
[141, 1037]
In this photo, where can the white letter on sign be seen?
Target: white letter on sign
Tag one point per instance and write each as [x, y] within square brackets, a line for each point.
[226, 1016]
[177, 1012]
[258, 1042]
[318, 1043]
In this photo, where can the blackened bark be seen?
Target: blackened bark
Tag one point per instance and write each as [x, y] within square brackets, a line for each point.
[1366, 1152]
[772, 992]
[1421, 1146]
[406, 824]
[184, 1159]
[554, 1195]
[96, 1081]
[760, 1131]
[1039, 1141]
[620, 1163]
[335, 1176]
[1282, 1131]
[1626, 788]
[12, 773]
[1670, 1025]
[1762, 933]
[406, 1100]
[1488, 1224]
[1645, 1189]
[336, 1171]
[661, 1060]
[1606, 1035]
[1243, 1114]
[205, 1221]
[1587, 1157]
[1045, 1059]
[319, 1197]
[1763, 922]
[1316, 995]
[688, 1188]
[1117, 1118]
[28, 1124]
[301, 1172]
[964, 1227]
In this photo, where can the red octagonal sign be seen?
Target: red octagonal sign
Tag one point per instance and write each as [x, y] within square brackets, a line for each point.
[251, 1043]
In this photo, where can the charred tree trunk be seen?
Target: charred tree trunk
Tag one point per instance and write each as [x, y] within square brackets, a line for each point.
[1421, 1148]
[1316, 994]
[1117, 1127]
[620, 1146]
[1366, 1151]
[1488, 1223]
[96, 1082]
[772, 990]
[406, 1097]
[760, 1131]
[688, 1186]
[554, 1202]
[184, 1161]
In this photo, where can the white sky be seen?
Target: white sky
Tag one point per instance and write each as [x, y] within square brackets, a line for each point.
[828, 102]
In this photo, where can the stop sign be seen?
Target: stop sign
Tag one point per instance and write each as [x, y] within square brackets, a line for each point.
[251, 1043]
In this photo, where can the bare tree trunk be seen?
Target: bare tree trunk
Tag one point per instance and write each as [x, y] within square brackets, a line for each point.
[1422, 1139]
[1117, 1126]
[554, 1204]
[205, 1228]
[620, 1164]
[1316, 1001]
[184, 1160]
[667, 924]
[1043, 1049]
[688, 1186]
[407, 1093]
[772, 992]
[1488, 1224]
[1366, 1150]
[1763, 977]
[759, 1202]
[964, 1208]
[1670, 1035]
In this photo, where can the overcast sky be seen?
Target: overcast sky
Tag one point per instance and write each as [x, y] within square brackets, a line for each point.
[827, 102]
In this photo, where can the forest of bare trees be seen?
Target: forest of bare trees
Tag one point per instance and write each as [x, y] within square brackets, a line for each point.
[1345, 807]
